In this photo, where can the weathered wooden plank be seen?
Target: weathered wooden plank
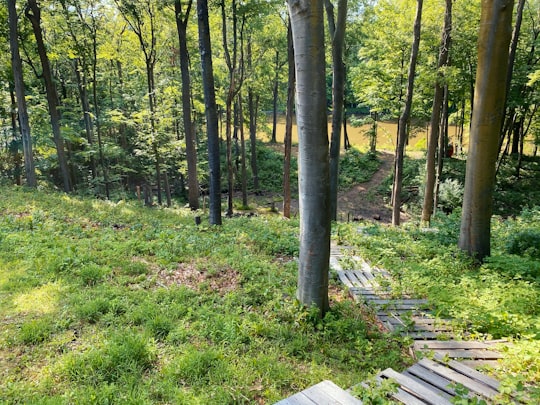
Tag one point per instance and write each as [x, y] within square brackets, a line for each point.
[470, 354]
[344, 279]
[362, 278]
[465, 380]
[432, 327]
[404, 396]
[297, 399]
[452, 344]
[326, 392]
[480, 363]
[491, 382]
[423, 392]
[396, 306]
[433, 378]
[428, 320]
[421, 335]
[427, 384]
[412, 302]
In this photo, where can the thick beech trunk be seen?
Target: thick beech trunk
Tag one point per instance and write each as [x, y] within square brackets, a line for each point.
[307, 22]
[493, 41]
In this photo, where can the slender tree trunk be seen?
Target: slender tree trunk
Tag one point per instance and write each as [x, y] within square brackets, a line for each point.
[404, 120]
[24, 122]
[288, 126]
[182, 19]
[427, 208]
[230, 60]
[242, 152]
[510, 70]
[97, 113]
[253, 102]
[442, 150]
[275, 99]
[307, 21]
[82, 85]
[337, 34]
[493, 41]
[33, 13]
[212, 132]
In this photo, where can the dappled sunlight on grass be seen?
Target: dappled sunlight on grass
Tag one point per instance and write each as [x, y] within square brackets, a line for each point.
[40, 300]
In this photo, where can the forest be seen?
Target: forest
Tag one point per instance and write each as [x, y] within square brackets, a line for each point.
[174, 173]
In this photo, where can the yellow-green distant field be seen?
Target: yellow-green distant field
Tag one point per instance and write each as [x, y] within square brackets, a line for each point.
[386, 136]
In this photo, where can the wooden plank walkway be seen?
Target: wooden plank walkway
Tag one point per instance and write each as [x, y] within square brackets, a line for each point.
[428, 381]
[407, 315]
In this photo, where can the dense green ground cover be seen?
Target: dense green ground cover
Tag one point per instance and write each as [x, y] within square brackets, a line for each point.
[105, 302]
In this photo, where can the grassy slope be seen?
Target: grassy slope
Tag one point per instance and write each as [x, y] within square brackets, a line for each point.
[104, 302]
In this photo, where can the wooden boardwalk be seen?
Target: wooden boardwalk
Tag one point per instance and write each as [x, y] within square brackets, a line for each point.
[407, 315]
[429, 381]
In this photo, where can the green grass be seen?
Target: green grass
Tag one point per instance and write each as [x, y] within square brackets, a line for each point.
[106, 302]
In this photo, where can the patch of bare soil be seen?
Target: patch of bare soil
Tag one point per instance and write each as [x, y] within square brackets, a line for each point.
[363, 202]
[189, 275]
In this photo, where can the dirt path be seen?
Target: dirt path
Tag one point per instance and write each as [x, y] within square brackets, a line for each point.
[363, 202]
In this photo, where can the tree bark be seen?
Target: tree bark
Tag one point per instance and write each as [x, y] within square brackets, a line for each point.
[403, 123]
[24, 122]
[33, 13]
[307, 22]
[435, 123]
[493, 41]
[337, 34]
[288, 126]
[182, 19]
[212, 132]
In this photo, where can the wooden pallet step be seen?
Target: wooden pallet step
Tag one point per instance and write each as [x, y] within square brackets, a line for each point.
[422, 391]
[464, 378]
[453, 344]
[326, 392]
[403, 396]
[491, 382]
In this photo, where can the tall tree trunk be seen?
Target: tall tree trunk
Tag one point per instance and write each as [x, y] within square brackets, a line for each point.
[82, 85]
[97, 111]
[24, 123]
[307, 21]
[510, 73]
[230, 60]
[493, 41]
[33, 13]
[404, 120]
[288, 126]
[427, 208]
[337, 34]
[212, 132]
[182, 19]
[242, 151]
[275, 99]
[253, 102]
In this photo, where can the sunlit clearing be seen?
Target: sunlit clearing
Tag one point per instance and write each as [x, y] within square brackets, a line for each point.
[41, 300]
